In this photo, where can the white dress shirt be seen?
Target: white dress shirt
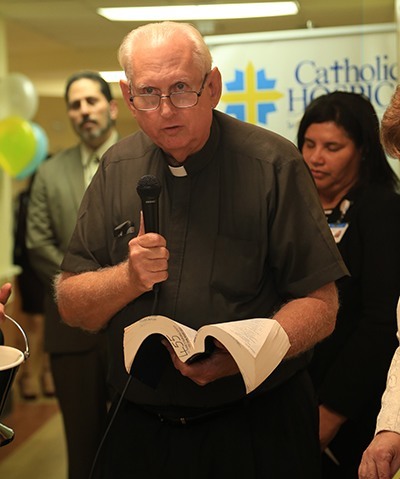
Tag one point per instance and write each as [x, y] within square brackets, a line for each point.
[91, 158]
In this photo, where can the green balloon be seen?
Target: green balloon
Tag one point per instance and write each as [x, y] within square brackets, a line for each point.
[17, 144]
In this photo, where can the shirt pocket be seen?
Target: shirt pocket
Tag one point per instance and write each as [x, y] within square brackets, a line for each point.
[238, 266]
[120, 247]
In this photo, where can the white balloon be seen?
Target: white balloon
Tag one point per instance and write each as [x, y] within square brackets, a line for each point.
[19, 95]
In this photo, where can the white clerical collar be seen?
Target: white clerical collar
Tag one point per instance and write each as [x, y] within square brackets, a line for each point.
[178, 170]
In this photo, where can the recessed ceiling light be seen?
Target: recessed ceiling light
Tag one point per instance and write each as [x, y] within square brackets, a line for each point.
[113, 76]
[199, 12]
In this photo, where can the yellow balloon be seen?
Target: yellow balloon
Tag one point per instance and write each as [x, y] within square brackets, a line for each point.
[17, 144]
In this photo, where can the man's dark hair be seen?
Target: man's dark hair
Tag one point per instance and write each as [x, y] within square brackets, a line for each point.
[94, 76]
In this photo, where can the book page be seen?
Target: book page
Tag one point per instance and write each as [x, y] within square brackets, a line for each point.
[250, 333]
[180, 336]
[181, 339]
[257, 345]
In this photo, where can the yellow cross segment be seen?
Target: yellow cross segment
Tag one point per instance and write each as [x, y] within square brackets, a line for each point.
[251, 96]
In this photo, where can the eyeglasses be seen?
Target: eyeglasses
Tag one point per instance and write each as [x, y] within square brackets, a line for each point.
[179, 99]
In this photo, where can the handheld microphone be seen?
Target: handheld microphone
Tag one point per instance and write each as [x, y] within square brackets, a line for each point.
[149, 189]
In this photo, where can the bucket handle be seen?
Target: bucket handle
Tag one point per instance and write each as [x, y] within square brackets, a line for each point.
[27, 352]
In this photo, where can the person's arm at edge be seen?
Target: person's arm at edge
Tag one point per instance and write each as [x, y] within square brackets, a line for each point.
[5, 292]
[309, 320]
[381, 459]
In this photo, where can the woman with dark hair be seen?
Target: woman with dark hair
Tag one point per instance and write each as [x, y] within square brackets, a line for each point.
[339, 139]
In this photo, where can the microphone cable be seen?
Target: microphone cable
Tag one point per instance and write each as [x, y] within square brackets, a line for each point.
[148, 188]
[156, 290]
[110, 423]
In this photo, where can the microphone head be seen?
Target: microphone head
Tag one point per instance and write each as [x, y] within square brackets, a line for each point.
[148, 187]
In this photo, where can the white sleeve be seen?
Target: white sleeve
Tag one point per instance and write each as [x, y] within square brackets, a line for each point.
[389, 415]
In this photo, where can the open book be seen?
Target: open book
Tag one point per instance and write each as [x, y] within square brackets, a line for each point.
[257, 345]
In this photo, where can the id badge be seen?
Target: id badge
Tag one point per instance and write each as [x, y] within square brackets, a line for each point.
[338, 230]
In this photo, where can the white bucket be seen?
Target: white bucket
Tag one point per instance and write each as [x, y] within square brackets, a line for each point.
[10, 360]
[10, 357]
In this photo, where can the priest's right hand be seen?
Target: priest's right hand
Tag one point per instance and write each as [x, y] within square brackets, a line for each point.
[148, 259]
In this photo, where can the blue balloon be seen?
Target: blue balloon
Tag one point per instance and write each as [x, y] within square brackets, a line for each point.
[41, 151]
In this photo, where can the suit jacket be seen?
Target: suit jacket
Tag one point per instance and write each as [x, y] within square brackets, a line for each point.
[56, 194]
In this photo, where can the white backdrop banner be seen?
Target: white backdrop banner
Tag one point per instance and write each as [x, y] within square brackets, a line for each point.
[268, 79]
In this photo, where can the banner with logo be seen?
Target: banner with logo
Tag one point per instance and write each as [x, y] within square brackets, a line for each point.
[268, 79]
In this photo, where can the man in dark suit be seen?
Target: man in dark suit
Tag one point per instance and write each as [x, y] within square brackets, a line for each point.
[78, 359]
